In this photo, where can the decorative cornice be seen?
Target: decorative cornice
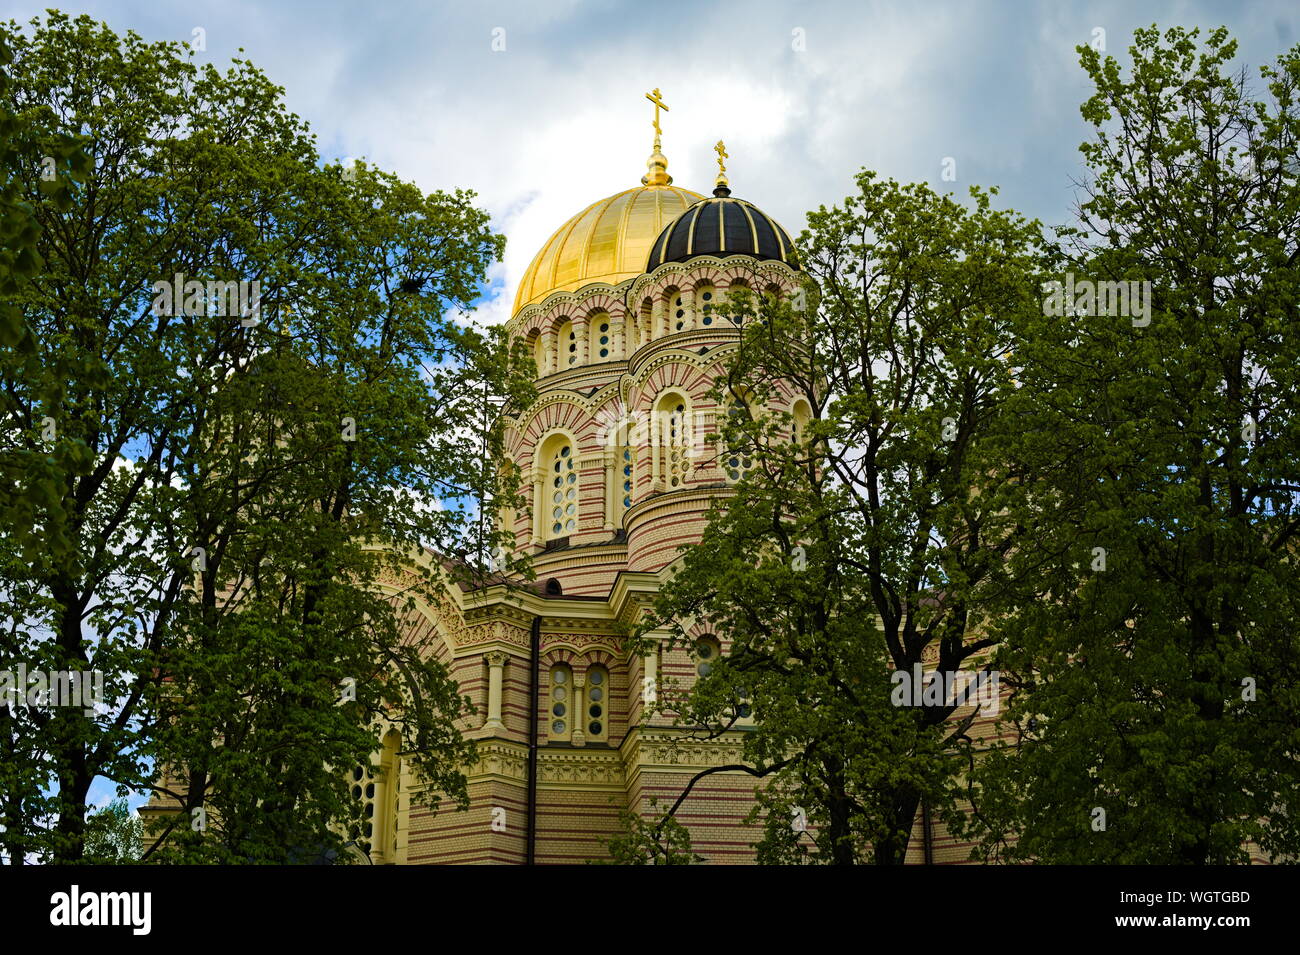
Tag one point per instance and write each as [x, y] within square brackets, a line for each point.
[722, 263]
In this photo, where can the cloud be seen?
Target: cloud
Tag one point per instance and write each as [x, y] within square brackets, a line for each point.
[557, 119]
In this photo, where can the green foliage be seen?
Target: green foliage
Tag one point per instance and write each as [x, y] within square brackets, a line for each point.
[853, 549]
[248, 472]
[114, 835]
[641, 842]
[1162, 583]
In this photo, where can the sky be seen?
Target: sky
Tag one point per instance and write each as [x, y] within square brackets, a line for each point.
[539, 106]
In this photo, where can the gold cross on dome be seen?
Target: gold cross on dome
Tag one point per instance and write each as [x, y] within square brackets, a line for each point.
[659, 104]
[721, 150]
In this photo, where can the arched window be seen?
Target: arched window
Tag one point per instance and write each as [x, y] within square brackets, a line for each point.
[564, 492]
[737, 461]
[707, 653]
[561, 721]
[537, 345]
[558, 505]
[674, 439]
[602, 336]
[800, 415]
[627, 476]
[706, 295]
[645, 321]
[741, 285]
[597, 704]
[566, 341]
[364, 791]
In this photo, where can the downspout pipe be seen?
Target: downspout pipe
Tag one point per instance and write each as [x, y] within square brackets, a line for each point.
[535, 642]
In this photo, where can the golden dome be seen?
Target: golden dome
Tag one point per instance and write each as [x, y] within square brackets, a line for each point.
[609, 241]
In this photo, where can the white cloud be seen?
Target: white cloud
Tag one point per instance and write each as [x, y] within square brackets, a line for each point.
[558, 119]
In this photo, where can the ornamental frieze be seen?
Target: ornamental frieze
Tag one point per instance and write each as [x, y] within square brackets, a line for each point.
[582, 768]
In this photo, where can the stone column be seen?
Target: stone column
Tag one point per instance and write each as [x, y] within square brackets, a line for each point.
[550, 354]
[612, 474]
[540, 509]
[496, 660]
[578, 713]
[656, 426]
[581, 331]
[690, 319]
[650, 682]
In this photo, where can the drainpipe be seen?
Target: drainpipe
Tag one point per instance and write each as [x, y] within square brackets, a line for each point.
[535, 640]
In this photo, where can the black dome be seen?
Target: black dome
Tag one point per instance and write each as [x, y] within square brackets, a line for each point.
[721, 226]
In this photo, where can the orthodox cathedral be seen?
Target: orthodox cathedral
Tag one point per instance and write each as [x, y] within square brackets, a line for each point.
[616, 309]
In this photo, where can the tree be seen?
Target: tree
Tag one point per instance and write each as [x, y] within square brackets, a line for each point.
[257, 353]
[872, 525]
[662, 842]
[114, 834]
[1152, 645]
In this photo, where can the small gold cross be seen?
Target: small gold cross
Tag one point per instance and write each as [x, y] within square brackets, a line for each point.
[659, 104]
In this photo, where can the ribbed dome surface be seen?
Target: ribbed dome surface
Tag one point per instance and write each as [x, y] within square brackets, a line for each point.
[722, 226]
[606, 242]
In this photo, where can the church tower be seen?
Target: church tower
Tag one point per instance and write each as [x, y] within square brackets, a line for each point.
[618, 311]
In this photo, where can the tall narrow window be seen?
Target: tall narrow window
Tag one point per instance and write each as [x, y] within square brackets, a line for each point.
[800, 415]
[538, 342]
[564, 491]
[558, 703]
[603, 335]
[737, 460]
[627, 476]
[566, 339]
[597, 703]
[674, 440]
[705, 295]
[707, 653]
[363, 791]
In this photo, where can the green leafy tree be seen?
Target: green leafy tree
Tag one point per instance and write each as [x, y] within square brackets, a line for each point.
[114, 834]
[1152, 643]
[872, 532]
[661, 841]
[252, 464]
